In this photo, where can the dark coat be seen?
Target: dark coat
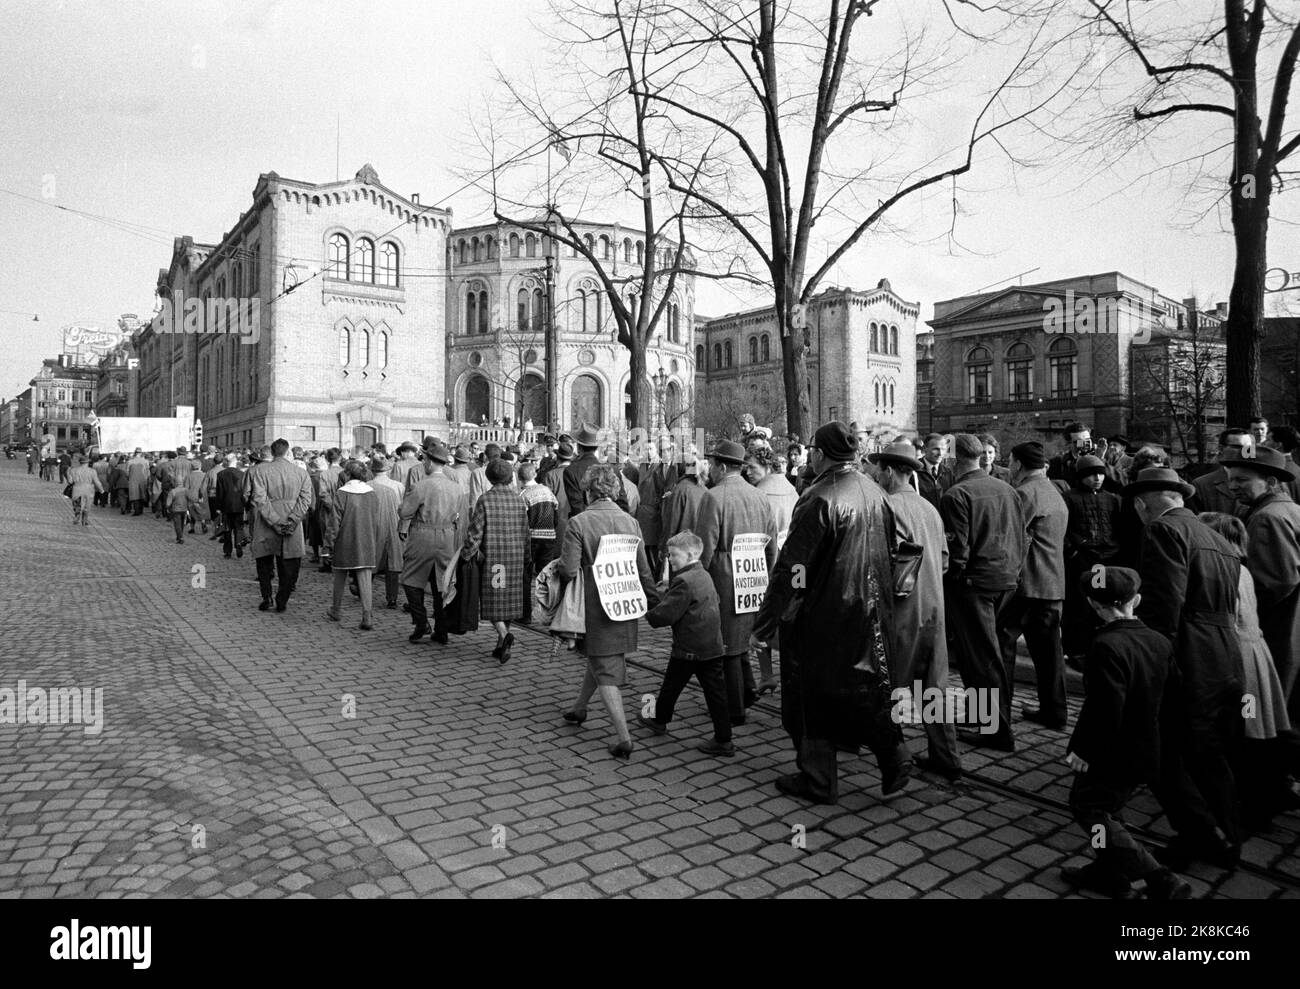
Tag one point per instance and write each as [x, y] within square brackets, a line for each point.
[1214, 495]
[1273, 559]
[230, 491]
[654, 483]
[573, 475]
[918, 628]
[690, 606]
[932, 490]
[1127, 672]
[830, 597]
[499, 527]
[604, 636]
[1042, 575]
[1092, 531]
[681, 509]
[733, 507]
[359, 527]
[1189, 595]
[986, 532]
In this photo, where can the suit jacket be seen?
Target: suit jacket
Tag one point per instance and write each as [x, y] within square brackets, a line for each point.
[654, 483]
[1127, 672]
[281, 494]
[1213, 495]
[1046, 517]
[986, 532]
[731, 508]
[931, 489]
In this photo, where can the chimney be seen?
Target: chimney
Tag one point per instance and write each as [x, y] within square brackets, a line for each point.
[1221, 310]
[415, 198]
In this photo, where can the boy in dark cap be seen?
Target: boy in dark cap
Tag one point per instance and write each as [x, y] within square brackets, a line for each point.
[1116, 742]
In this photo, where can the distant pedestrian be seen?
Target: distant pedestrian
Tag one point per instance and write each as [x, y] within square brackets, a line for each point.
[85, 484]
[498, 530]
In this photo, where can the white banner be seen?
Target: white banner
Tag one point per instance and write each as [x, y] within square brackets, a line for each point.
[122, 434]
[748, 570]
[618, 579]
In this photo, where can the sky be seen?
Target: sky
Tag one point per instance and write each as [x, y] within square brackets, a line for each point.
[159, 117]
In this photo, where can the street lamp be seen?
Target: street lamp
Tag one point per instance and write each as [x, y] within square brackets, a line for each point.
[661, 387]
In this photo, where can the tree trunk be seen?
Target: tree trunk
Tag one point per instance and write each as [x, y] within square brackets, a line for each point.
[1246, 315]
[642, 413]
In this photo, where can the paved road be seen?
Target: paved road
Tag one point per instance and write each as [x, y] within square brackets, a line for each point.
[227, 765]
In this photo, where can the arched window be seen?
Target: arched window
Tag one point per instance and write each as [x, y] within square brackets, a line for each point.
[1020, 372]
[640, 253]
[699, 357]
[345, 352]
[530, 246]
[471, 311]
[463, 250]
[717, 356]
[388, 265]
[491, 246]
[338, 257]
[382, 341]
[473, 248]
[477, 404]
[521, 310]
[585, 307]
[627, 249]
[726, 353]
[363, 348]
[590, 241]
[604, 247]
[586, 404]
[875, 338]
[877, 391]
[675, 323]
[893, 339]
[483, 311]
[1063, 368]
[221, 305]
[539, 309]
[766, 348]
[891, 396]
[753, 350]
[979, 376]
[600, 310]
[514, 245]
[365, 260]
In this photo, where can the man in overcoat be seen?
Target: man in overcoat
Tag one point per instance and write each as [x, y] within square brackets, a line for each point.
[1273, 559]
[1189, 575]
[732, 508]
[281, 496]
[1035, 610]
[654, 481]
[137, 473]
[830, 599]
[434, 520]
[917, 634]
[1213, 492]
[986, 547]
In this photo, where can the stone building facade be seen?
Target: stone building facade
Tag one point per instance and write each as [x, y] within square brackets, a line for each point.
[322, 319]
[62, 396]
[861, 364]
[496, 308]
[1024, 362]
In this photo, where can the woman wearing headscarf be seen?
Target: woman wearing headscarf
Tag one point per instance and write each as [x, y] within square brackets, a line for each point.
[361, 532]
[607, 639]
[498, 529]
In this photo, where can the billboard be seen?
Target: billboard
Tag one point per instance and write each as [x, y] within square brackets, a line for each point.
[90, 342]
[121, 434]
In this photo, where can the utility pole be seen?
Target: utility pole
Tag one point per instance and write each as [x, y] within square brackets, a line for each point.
[552, 266]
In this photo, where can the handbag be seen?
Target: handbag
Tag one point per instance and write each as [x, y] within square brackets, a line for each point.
[907, 567]
[462, 615]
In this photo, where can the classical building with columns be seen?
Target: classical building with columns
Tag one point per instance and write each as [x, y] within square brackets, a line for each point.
[346, 283]
[496, 306]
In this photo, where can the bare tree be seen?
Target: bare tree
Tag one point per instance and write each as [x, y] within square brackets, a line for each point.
[1211, 68]
[779, 92]
[1178, 386]
[719, 409]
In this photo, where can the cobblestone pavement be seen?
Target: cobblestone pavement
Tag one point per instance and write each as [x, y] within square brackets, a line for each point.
[226, 765]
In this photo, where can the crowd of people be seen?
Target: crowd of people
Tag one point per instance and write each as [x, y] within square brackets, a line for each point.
[866, 576]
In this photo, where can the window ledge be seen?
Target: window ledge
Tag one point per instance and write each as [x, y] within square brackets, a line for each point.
[344, 289]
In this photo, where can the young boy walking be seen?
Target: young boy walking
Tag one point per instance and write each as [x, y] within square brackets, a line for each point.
[1116, 741]
[690, 606]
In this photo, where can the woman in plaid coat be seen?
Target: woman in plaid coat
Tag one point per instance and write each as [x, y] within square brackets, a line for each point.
[499, 532]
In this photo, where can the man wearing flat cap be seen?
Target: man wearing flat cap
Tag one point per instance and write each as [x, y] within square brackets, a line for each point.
[735, 514]
[917, 633]
[1035, 611]
[1259, 484]
[831, 598]
[1189, 576]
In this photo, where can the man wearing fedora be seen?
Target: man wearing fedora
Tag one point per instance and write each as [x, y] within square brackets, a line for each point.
[830, 598]
[919, 643]
[461, 467]
[1273, 558]
[588, 442]
[733, 507]
[405, 465]
[1035, 611]
[986, 548]
[1212, 493]
[1189, 574]
[434, 520]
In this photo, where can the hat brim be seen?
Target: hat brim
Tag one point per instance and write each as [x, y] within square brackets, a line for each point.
[725, 459]
[894, 458]
[1142, 487]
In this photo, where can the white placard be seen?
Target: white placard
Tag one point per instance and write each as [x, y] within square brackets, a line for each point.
[618, 580]
[748, 571]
